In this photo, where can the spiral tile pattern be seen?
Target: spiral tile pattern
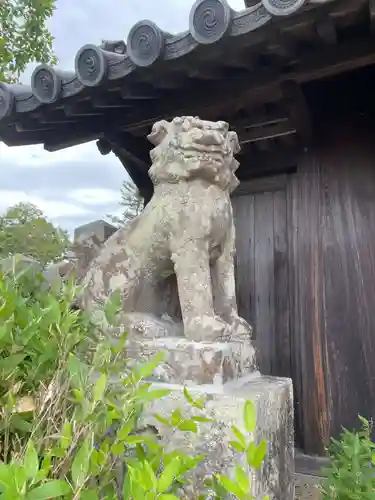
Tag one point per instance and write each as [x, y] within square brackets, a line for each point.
[210, 20]
[283, 7]
[91, 65]
[145, 43]
[45, 84]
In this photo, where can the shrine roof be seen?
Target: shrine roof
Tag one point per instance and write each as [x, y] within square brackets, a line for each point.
[119, 84]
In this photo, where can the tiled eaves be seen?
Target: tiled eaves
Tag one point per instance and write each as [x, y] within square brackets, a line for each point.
[147, 46]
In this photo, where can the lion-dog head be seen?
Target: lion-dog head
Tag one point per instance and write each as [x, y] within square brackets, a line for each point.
[189, 148]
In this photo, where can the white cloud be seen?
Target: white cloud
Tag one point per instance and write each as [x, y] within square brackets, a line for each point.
[53, 209]
[37, 157]
[98, 196]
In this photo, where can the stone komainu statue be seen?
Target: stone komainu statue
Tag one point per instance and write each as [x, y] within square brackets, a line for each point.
[176, 258]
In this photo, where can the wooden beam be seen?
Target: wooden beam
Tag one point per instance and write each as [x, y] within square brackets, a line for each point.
[266, 132]
[259, 117]
[281, 44]
[57, 143]
[141, 91]
[334, 60]
[258, 164]
[110, 100]
[372, 14]
[139, 177]
[80, 109]
[260, 185]
[259, 85]
[298, 111]
[326, 30]
[136, 149]
[104, 147]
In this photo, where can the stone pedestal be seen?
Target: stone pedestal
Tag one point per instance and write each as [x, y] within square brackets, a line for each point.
[223, 374]
[197, 363]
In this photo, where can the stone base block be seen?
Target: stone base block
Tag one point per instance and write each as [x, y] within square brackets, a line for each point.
[196, 363]
[273, 399]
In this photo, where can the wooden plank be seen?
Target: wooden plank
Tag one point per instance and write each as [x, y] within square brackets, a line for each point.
[264, 283]
[295, 337]
[255, 165]
[282, 310]
[348, 234]
[243, 209]
[260, 185]
[313, 396]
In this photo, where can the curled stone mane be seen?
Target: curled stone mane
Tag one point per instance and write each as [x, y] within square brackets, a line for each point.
[189, 148]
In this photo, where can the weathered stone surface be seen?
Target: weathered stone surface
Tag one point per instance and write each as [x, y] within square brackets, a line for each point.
[184, 238]
[20, 263]
[307, 487]
[88, 239]
[273, 400]
[195, 363]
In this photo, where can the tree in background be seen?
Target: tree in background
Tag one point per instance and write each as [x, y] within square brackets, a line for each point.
[24, 36]
[25, 230]
[131, 204]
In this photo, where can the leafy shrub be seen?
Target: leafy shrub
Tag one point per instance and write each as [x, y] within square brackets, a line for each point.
[351, 474]
[71, 407]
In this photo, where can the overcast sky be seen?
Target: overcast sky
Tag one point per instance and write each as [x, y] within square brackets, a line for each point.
[78, 185]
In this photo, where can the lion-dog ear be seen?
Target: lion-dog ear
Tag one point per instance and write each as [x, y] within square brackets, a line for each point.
[234, 142]
[158, 132]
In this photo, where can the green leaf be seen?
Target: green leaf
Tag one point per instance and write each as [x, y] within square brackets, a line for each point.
[31, 461]
[188, 397]
[9, 364]
[118, 449]
[20, 424]
[373, 458]
[6, 475]
[250, 416]
[145, 370]
[152, 395]
[241, 438]
[113, 307]
[169, 475]
[137, 439]
[99, 388]
[176, 417]
[197, 418]
[89, 495]
[149, 476]
[66, 436]
[260, 454]
[52, 489]
[125, 430]
[44, 469]
[231, 486]
[188, 425]
[237, 446]
[242, 479]
[167, 496]
[250, 452]
[161, 419]
[80, 465]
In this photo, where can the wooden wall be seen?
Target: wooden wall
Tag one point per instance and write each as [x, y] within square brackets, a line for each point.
[306, 277]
